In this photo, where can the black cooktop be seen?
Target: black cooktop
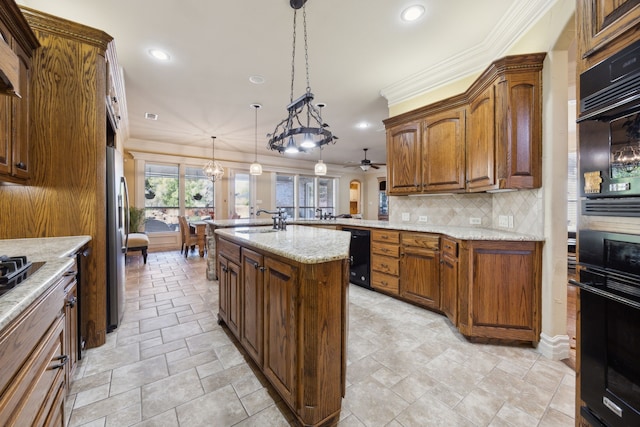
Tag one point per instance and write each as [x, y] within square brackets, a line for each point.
[14, 270]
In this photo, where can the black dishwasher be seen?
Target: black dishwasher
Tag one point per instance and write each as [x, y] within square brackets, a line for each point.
[359, 256]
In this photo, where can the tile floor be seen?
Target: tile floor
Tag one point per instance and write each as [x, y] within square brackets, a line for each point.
[171, 364]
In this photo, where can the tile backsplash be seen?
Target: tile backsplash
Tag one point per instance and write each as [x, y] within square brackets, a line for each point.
[518, 211]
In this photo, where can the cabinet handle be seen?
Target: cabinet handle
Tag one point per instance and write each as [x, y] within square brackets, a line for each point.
[384, 283]
[225, 269]
[71, 302]
[384, 237]
[63, 359]
[21, 165]
[255, 265]
[263, 268]
[384, 266]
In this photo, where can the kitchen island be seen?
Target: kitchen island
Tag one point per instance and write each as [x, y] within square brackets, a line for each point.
[283, 295]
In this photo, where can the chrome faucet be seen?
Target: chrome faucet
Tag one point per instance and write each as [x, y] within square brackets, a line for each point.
[279, 217]
[319, 210]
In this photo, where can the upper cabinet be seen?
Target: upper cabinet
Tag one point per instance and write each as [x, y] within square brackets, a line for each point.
[17, 43]
[488, 138]
[610, 21]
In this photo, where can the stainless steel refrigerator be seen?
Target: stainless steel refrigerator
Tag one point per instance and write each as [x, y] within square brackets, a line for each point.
[117, 236]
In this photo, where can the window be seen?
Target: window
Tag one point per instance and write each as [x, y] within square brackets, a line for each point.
[242, 195]
[304, 194]
[198, 190]
[161, 197]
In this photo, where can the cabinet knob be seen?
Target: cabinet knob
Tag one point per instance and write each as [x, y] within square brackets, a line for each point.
[21, 165]
[263, 268]
[71, 302]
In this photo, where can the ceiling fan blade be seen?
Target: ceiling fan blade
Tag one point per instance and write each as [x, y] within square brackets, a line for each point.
[374, 166]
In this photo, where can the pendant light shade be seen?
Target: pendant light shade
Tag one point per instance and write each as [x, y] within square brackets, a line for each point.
[320, 167]
[213, 170]
[256, 168]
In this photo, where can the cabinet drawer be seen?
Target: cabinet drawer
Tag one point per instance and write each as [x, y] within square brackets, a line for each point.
[231, 251]
[385, 264]
[421, 240]
[449, 247]
[385, 282]
[386, 236]
[385, 249]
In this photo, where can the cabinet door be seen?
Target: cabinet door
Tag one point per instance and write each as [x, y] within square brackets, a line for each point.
[449, 287]
[20, 135]
[481, 157]
[223, 289]
[420, 277]
[519, 130]
[603, 21]
[71, 328]
[252, 304]
[443, 152]
[229, 294]
[6, 146]
[404, 159]
[505, 290]
[280, 332]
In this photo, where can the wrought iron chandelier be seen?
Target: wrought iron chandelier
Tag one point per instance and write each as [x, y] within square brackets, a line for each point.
[213, 170]
[303, 128]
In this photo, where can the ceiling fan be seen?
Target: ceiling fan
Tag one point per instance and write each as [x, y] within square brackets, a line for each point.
[365, 163]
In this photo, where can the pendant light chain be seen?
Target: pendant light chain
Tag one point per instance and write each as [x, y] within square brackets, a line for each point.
[306, 46]
[255, 137]
[293, 55]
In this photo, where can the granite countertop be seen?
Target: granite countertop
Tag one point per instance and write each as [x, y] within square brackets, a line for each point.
[463, 233]
[57, 254]
[307, 245]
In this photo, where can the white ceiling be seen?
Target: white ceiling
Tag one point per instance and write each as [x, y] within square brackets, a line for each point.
[362, 59]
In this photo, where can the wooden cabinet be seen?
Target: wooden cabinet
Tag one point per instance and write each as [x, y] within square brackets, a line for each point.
[404, 154]
[481, 153]
[443, 152]
[229, 283]
[602, 22]
[71, 326]
[488, 138]
[280, 328]
[385, 261]
[34, 360]
[449, 278]
[292, 322]
[251, 328]
[17, 43]
[420, 269]
[499, 290]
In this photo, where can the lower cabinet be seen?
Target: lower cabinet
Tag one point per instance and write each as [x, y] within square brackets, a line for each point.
[385, 261]
[34, 355]
[420, 269]
[449, 278]
[499, 290]
[291, 320]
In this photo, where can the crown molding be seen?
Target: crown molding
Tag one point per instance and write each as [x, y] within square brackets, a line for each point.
[514, 24]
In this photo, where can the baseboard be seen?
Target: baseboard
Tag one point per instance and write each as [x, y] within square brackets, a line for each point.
[554, 348]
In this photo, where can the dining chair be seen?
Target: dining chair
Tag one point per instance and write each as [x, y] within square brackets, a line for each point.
[189, 239]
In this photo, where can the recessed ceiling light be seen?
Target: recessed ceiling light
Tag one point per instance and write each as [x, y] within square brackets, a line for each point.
[256, 80]
[159, 54]
[412, 13]
[150, 116]
[362, 125]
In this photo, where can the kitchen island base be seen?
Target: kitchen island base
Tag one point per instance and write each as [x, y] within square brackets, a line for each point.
[290, 318]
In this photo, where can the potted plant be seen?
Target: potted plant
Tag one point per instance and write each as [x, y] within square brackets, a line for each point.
[136, 219]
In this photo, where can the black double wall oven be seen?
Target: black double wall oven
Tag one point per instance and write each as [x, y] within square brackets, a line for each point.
[609, 262]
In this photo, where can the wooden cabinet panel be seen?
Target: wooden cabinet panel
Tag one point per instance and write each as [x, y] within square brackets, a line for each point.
[481, 156]
[280, 328]
[449, 286]
[404, 164]
[443, 152]
[229, 288]
[504, 290]
[602, 22]
[385, 282]
[384, 264]
[385, 236]
[223, 289]
[420, 276]
[385, 249]
[251, 328]
[71, 328]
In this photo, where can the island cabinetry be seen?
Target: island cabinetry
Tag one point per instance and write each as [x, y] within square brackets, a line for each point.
[251, 327]
[404, 158]
[385, 261]
[420, 269]
[449, 278]
[17, 43]
[229, 284]
[71, 324]
[443, 153]
[499, 290]
[292, 324]
[34, 360]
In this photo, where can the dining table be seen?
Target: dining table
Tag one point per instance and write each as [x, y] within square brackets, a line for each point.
[201, 232]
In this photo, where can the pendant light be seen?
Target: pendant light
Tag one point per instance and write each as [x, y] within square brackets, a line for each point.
[213, 170]
[256, 168]
[320, 167]
[302, 130]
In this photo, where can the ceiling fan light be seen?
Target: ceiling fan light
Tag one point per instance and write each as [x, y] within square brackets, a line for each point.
[365, 167]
